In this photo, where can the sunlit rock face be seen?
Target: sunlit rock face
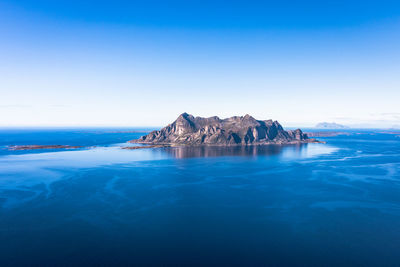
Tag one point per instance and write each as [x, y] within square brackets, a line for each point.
[237, 130]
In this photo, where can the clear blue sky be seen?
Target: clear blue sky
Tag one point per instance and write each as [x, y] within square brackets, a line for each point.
[142, 63]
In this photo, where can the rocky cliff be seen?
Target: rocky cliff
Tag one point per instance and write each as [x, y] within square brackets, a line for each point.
[244, 130]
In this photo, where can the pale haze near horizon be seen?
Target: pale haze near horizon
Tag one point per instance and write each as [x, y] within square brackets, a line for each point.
[62, 70]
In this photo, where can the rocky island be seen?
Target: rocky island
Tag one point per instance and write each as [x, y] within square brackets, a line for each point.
[237, 130]
[32, 147]
[330, 125]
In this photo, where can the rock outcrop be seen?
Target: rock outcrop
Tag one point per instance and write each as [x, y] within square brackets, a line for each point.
[244, 130]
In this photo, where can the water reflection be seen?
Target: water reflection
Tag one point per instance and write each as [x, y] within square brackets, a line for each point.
[220, 151]
[283, 151]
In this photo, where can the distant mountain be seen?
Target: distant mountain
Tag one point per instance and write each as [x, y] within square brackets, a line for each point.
[243, 130]
[330, 125]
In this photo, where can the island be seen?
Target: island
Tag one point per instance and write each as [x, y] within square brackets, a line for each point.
[327, 134]
[140, 147]
[30, 147]
[330, 125]
[234, 131]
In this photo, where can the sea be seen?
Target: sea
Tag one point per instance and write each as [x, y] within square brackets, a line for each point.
[330, 204]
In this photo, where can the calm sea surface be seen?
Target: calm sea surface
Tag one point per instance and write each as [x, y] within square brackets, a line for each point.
[330, 204]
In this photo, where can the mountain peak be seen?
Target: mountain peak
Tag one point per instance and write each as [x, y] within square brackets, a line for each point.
[184, 115]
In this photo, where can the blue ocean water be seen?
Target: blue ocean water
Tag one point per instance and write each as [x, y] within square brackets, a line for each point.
[330, 204]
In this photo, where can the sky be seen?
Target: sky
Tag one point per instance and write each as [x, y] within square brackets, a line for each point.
[142, 63]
